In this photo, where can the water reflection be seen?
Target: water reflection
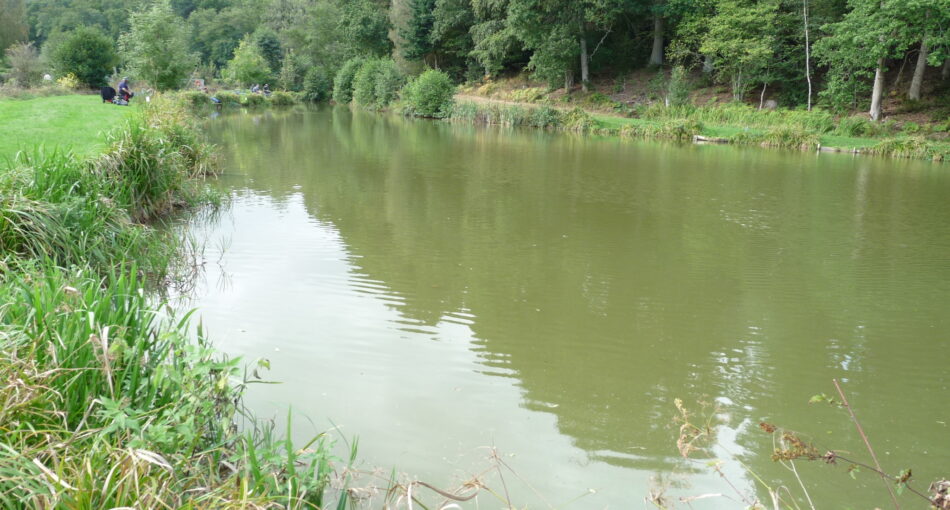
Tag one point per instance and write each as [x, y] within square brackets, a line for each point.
[395, 264]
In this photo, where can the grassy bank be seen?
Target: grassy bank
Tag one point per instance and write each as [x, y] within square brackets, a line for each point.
[731, 123]
[102, 404]
[77, 122]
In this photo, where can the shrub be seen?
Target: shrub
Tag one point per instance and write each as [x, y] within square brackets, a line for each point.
[343, 81]
[431, 94]
[364, 83]
[545, 117]
[911, 147]
[228, 98]
[578, 120]
[316, 85]
[69, 82]
[388, 82]
[855, 126]
[911, 127]
[253, 100]
[682, 130]
[677, 91]
[282, 99]
[86, 53]
[195, 98]
[25, 64]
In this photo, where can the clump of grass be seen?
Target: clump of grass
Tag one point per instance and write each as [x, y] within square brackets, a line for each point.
[253, 100]
[228, 98]
[818, 121]
[781, 137]
[194, 98]
[517, 115]
[911, 147]
[57, 207]
[578, 120]
[280, 98]
[133, 412]
[681, 130]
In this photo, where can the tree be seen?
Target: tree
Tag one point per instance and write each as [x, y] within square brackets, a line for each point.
[862, 42]
[551, 29]
[248, 65]
[269, 45]
[87, 53]
[417, 34]
[451, 36]
[933, 17]
[494, 41]
[366, 26]
[741, 42]
[156, 48]
[26, 67]
[656, 54]
[13, 23]
[215, 34]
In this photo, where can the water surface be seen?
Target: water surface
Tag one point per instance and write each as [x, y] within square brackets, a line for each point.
[438, 289]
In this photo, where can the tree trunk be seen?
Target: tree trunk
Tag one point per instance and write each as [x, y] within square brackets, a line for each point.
[762, 95]
[878, 91]
[656, 56]
[945, 72]
[918, 80]
[807, 51]
[568, 80]
[585, 77]
[707, 64]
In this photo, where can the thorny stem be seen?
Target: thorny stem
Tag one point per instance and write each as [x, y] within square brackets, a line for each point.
[857, 424]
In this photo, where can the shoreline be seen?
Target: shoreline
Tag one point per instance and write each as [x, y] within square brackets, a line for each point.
[481, 110]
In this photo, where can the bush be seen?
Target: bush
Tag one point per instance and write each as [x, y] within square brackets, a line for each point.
[678, 87]
[282, 99]
[253, 100]
[388, 82]
[343, 81]
[228, 98]
[316, 85]
[26, 68]
[545, 117]
[364, 83]
[69, 82]
[195, 98]
[87, 53]
[431, 94]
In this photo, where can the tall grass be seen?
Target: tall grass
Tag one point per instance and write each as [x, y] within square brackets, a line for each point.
[105, 406]
[102, 404]
[517, 115]
[818, 121]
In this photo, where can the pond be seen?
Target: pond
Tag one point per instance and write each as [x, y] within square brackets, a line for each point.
[438, 290]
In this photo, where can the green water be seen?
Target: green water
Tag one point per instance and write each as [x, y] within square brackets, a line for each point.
[437, 289]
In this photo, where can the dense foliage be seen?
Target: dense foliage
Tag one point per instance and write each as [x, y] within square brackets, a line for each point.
[155, 48]
[833, 53]
[429, 95]
[86, 53]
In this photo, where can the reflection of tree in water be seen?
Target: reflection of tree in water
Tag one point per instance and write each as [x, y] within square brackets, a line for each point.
[609, 279]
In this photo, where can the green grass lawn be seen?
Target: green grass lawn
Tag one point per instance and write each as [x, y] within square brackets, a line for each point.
[77, 122]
